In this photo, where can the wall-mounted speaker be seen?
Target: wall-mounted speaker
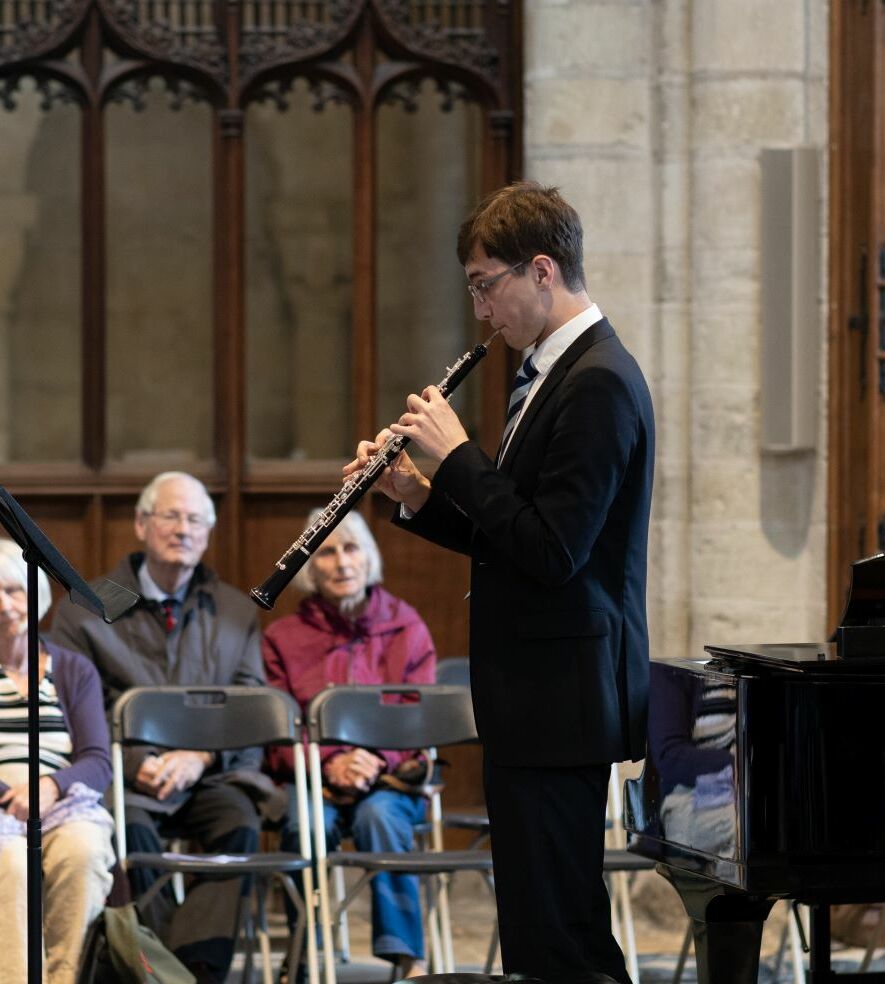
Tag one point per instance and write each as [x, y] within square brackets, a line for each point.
[791, 295]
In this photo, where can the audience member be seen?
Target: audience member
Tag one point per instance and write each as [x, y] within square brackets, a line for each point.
[75, 769]
[189, 628]
[350, 630]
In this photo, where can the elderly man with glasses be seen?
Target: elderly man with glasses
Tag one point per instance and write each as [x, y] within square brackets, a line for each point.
[188, 628]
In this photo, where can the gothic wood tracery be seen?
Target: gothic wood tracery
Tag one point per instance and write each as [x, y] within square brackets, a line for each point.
[362, 55]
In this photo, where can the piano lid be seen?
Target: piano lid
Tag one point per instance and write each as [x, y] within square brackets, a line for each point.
[865, 604]
[802, 657]
[857, 645]
[861, 630]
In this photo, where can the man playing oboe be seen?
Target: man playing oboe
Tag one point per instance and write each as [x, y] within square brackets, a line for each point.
[557, 530]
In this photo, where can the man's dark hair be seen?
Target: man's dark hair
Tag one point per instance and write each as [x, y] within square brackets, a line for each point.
[521, 220]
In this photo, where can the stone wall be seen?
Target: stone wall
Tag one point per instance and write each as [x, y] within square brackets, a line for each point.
[651, 115]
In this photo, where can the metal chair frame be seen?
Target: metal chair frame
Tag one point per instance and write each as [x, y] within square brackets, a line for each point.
[391, 717]
[216, 719]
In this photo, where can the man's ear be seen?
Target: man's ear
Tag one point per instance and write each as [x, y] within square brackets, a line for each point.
[544, 270]
[140, 527]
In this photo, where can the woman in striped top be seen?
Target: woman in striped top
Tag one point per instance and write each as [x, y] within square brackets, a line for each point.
[75, 770]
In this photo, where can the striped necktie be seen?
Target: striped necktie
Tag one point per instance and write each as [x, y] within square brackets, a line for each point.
[521, 386]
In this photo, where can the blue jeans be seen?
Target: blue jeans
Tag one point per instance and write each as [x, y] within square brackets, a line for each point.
[381, 821]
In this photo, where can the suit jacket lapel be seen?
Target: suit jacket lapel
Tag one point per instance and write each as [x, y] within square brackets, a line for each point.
[595, 333]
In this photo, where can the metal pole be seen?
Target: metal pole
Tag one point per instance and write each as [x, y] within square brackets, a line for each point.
[35, 847]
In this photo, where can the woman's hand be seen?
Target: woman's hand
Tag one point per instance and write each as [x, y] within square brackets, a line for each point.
[353, 771]
[400, 481]
[15, 799]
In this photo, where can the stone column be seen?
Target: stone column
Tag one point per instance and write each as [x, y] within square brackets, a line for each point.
[758, 522]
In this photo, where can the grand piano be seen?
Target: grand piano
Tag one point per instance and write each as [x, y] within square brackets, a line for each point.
[765, 780]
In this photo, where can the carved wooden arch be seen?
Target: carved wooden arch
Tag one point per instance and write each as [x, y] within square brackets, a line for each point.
[230, 53]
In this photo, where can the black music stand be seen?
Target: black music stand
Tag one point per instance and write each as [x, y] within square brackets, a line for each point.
[109, 601]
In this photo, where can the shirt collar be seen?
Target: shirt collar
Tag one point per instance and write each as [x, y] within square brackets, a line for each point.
[152, 591]
[546, 354]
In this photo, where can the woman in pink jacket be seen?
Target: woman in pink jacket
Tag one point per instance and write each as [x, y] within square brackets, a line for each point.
[350, 630]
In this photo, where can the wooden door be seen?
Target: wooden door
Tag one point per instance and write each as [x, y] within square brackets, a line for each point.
[856, 485]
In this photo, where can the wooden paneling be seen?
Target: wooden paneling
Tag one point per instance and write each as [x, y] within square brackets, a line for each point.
[378, 52]
[856, 482]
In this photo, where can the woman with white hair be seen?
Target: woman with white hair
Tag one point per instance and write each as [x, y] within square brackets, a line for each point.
[75, 769]
[350, 630]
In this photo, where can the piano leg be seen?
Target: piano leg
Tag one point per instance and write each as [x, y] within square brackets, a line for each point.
[819, 969]
[727, 927]
[727, 952]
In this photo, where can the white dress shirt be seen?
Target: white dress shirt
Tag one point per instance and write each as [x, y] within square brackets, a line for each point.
[548, 352]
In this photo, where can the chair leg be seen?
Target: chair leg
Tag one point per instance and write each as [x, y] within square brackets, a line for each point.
[178, 846]
[326, 922]
[492, 950]
[615, 913]
[305, 926]
[622, 891]
[683, 953]
[445, 923]
[874, 942]
[261, 931]
[342, 927]
[431, 929]
[798, 946]
[247, 934]
[148, 896]
[494, 941]
[435, 947]
[781, 946]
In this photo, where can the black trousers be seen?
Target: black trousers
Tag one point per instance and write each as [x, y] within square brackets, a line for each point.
[218, 818]
[548, 836]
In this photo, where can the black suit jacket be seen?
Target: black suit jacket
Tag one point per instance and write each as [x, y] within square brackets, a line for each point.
[558, 538]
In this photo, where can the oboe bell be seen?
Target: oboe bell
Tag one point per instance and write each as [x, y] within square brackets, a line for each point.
[266, 593]
[300, 552]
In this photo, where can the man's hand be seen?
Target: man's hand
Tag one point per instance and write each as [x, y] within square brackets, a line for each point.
[353, 771]
[15, 799]
[431, 423]
[171, 772]
[400, 481]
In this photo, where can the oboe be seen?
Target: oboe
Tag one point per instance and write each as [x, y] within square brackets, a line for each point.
[350, 493]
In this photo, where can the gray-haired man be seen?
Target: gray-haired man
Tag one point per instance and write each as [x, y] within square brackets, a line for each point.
[189, 628]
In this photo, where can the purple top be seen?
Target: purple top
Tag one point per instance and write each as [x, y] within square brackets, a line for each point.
[79, 695]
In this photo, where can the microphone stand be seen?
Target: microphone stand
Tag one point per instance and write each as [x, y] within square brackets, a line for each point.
[110, 601]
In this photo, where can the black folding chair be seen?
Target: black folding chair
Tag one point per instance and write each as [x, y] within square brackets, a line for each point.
[215, 719]
[455, 671]
[391, 717]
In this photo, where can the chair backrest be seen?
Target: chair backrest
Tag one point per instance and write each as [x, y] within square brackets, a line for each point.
[394, 716]
[205, 718]
[455, 671]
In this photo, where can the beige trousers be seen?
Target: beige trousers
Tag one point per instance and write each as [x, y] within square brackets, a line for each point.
[77, 857]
